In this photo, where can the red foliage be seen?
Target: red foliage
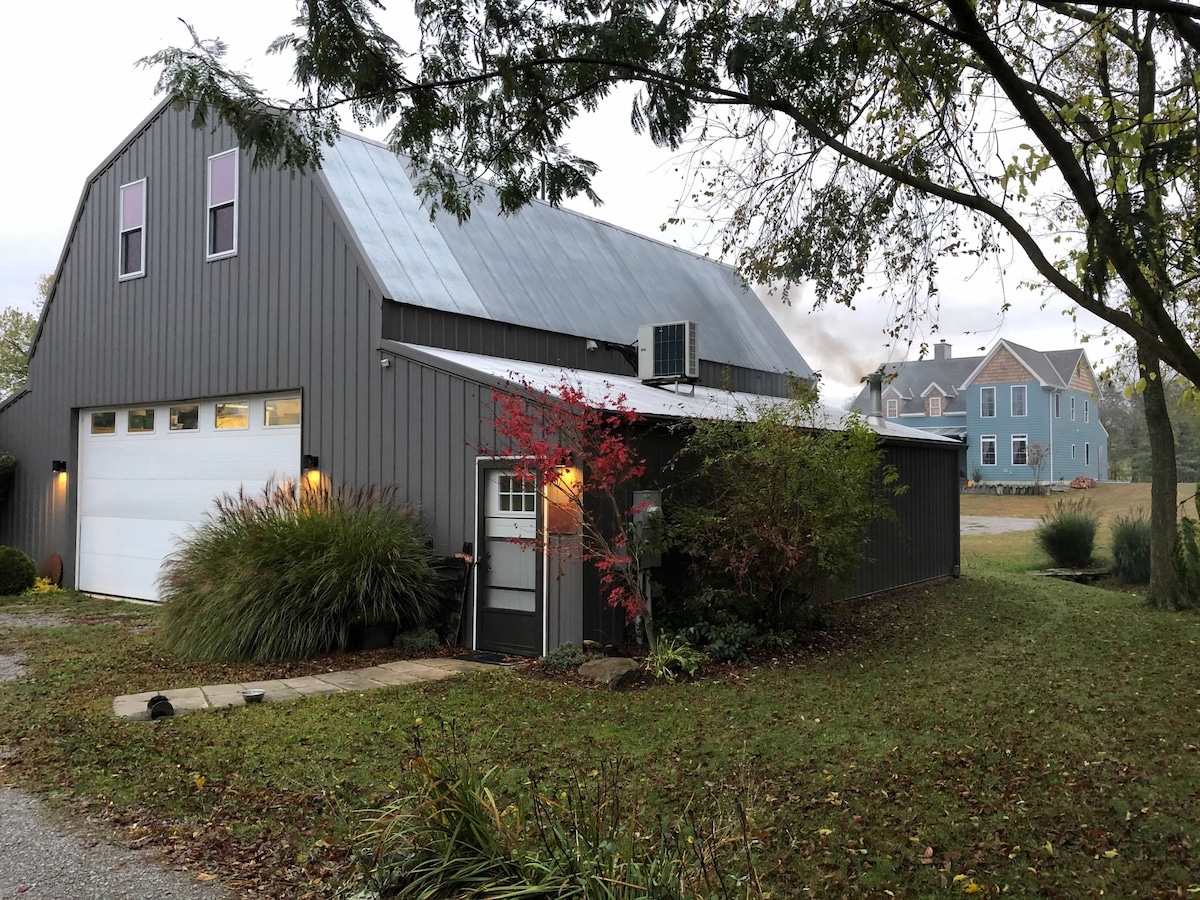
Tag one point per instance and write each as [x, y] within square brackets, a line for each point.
[560, 427]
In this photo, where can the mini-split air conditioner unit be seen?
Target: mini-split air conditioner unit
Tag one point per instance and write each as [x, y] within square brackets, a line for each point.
[667, 352]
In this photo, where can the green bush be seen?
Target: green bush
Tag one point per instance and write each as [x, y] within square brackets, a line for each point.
[1131, 548]
[1068, 533]
[17, 571]
[8, 471]
[281, 576]
[673, 656]
[724, 640]
[420, 640]
[564, 657]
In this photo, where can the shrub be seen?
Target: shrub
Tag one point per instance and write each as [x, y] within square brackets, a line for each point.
[673, 656]
[451, 838]
[420, 640]
[17, 571]
[8, 470]
[773, 506]
[564, 657]
[281, 576]
[1068, 533]
[724, 640]
[1131, 548]
[42, 586]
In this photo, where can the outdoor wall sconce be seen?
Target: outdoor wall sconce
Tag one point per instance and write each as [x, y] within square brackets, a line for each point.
[308, 461]
[59, 467]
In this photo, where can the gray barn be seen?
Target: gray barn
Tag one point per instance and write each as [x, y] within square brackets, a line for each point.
[212, 325]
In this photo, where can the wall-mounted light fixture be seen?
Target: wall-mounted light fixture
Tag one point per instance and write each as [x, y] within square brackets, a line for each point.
[59, 467]
[309, 461]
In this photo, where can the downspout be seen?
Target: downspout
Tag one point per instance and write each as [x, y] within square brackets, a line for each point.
[1053, 396]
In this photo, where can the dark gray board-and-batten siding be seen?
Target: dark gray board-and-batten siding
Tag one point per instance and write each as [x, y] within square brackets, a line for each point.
[293, 310]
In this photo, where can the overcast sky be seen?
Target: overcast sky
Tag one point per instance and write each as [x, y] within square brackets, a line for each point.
[73, 93]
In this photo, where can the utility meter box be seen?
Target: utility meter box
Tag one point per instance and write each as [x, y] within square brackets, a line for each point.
[647, 518]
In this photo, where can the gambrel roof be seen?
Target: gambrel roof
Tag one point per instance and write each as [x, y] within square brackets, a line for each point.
[545, 267]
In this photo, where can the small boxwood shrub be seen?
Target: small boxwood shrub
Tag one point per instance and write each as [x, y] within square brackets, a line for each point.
[286, 576]
[564, 657]
[1068, 533]
[421, 640]
[1131, 548]
[17, 571]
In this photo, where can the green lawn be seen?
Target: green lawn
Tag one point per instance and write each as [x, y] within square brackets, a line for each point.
[1025, 733]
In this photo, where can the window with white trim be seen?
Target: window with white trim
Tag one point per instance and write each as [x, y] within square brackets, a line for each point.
[222, 204]
[935, 405]
[1057, 405]
[987, 450]
[132, 243]
[987, 402]
[1072, 409]
[893, 408]
[516, 494]
[1020, 449]
[1072, 451]
[1087, 454]
[1086, 411]
[1020, 400]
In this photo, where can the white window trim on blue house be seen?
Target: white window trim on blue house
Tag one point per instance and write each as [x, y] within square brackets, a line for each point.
[1014, 391]
[983, 409]
[1022, 441]
[984, 440]
[1072, 409]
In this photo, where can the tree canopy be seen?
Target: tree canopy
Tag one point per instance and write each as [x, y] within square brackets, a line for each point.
[867, 137]
[17, 327]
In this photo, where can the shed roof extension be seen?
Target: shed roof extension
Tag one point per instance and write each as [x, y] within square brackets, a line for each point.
[545, 267]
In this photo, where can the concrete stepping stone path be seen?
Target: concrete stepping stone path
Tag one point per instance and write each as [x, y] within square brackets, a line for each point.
[408, 671]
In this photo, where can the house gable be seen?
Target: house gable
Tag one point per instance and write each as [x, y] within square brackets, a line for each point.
[1003, 368]
[1082, 379]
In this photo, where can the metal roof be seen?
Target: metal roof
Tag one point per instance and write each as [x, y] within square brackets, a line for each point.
[545, 268]
[602, 389]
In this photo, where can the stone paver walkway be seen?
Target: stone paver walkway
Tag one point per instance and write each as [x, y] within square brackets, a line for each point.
[408, 671]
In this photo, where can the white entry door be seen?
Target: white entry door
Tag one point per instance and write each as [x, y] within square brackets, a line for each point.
[147, 474]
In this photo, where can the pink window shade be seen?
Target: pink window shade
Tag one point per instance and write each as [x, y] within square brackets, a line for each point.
[132, 196]
[222, 179]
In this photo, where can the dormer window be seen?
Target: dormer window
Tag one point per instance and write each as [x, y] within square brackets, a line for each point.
[935, 405]
[132, 252]
[222, 204]
[893, 408]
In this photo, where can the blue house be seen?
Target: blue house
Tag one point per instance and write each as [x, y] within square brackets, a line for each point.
[1023, 415]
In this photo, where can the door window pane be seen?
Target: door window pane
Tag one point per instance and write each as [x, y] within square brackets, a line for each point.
[141, 421]
[282, 412]
[185, 418]
[104, 423]
[235, 414]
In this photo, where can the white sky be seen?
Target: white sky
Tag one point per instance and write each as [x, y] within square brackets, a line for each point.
[73, 93]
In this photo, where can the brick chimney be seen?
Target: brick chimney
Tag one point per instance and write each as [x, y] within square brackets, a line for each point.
[941, 350]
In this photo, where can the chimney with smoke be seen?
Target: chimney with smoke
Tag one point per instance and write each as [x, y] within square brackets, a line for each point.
[875, 403]
[941, 351]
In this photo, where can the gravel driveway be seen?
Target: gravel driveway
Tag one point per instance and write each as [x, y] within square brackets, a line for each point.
[43, 860]
[994, 524]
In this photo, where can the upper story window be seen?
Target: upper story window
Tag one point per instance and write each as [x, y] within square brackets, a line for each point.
[222, 204]
[893, 408]
[1072, 409]
[935, 405]
[1020, 405]
[1057, 405]
[1086, 411]
[987, 402]
[132, 261]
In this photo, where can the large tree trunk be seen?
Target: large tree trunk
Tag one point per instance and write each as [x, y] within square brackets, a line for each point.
[1164, 576]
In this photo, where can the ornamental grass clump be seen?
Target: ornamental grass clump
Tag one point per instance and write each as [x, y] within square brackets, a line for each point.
[1131, 548]
[1068, 533]
[288, 574]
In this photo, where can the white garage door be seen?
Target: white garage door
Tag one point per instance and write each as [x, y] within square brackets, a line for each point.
[146, 474]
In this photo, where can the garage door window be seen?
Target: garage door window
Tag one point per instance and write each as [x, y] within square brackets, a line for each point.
[282, 412]
[233, 415]
[104, 423]
[185, 418]
[141, 421]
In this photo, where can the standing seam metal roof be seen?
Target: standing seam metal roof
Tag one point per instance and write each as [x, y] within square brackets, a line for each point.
[545, 268]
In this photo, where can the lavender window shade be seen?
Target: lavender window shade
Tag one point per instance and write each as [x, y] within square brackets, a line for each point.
[222, 179]
[132, 205]
[132, 229]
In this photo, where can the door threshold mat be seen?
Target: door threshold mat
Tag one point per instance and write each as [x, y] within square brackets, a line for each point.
[492, 658]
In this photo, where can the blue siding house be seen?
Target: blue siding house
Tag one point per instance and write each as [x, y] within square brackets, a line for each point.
[1023, 415]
